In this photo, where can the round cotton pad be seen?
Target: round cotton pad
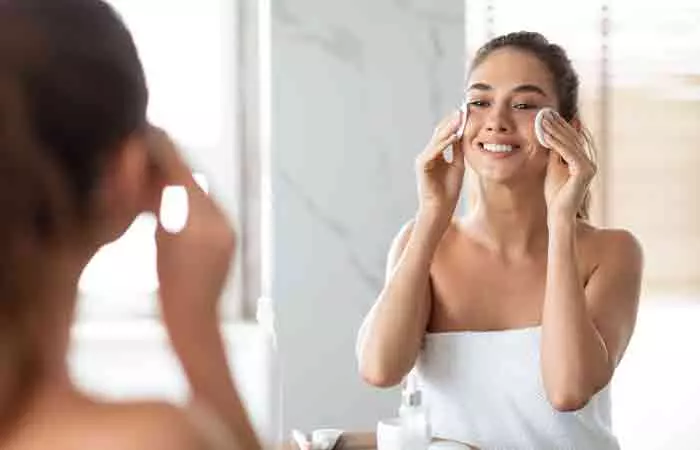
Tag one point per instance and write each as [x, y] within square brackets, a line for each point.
[539, 132]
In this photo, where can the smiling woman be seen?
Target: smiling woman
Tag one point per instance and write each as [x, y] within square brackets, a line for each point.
[533, 94]
[520, 311]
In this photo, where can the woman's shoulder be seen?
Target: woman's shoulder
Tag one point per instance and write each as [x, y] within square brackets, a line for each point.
[139, 425]
[401, 238]
[609, 244]
[86, 423]
[147, 425]
[168, 424]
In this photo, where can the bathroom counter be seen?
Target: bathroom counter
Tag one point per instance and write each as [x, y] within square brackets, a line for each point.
[351, 441]
[348, 441]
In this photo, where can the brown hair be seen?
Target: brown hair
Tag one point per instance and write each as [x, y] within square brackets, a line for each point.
[72, 89]
[566, 81]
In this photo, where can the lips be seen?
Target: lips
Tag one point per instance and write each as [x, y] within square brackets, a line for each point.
[498, 150]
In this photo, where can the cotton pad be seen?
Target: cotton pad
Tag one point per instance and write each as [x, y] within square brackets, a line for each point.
[539, 131]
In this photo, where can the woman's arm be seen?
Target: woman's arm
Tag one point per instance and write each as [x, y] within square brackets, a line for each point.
[193, 266]
[391, 334]
[586, 330]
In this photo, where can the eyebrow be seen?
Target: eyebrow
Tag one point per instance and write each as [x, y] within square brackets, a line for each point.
[523, 88]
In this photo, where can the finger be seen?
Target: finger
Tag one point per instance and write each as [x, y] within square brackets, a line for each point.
[458, 154]
[556, 161]
[559, 142]
[434, 154]
[448, 126]
[446, 133]
[576, 143]
[170, 166]
[452, 153]
[565, 133]
[558, 122]
[569, 133]
[179, 196]
[578, 165]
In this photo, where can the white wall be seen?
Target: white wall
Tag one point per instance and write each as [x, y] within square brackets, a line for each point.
[357, 88]
[656, 390]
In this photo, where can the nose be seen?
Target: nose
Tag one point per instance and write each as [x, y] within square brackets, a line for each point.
[498, 120]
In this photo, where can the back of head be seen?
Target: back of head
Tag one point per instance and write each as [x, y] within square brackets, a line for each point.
[72, 90]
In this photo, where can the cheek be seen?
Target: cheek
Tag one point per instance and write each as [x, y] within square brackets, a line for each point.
[526, 124]
[539, 159]
[526, 130]
[474, 125]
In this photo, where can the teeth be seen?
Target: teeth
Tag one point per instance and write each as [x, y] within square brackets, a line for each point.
[498, 148]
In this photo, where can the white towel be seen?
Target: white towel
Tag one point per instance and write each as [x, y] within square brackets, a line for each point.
[486, 388]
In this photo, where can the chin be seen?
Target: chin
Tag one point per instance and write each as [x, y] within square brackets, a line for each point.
[498, 174]
[508, 173]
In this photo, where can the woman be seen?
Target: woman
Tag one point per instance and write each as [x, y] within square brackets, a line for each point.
[78, 163]
[516, 315]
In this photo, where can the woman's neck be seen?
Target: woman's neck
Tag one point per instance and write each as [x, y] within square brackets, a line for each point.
[511, 220]
[51, 328]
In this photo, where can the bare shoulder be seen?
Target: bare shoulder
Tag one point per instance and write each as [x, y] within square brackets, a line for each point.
[81, 422]
[611, 247]
[402, 238]
[398, 245]
[404, 234]
[148, 425]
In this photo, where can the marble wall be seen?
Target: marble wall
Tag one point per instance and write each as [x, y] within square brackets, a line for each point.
[357, 88]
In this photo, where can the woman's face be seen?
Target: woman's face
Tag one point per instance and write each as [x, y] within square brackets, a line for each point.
[504, 94]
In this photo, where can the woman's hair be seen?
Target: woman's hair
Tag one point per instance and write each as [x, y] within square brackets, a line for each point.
[566, 82]
[72, 90]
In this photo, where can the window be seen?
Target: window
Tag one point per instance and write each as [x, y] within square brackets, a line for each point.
[654, 161]
[191, 53]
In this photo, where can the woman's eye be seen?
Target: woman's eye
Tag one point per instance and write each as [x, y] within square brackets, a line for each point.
[478, 103]
[524, 106]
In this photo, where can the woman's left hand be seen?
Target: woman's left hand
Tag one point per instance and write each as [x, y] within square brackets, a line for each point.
[570, 170]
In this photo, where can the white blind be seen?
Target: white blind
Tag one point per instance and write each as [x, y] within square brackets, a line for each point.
[654, 135]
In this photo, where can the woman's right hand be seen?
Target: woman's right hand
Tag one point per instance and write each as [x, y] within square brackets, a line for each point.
[193, 266]
[439, 181]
